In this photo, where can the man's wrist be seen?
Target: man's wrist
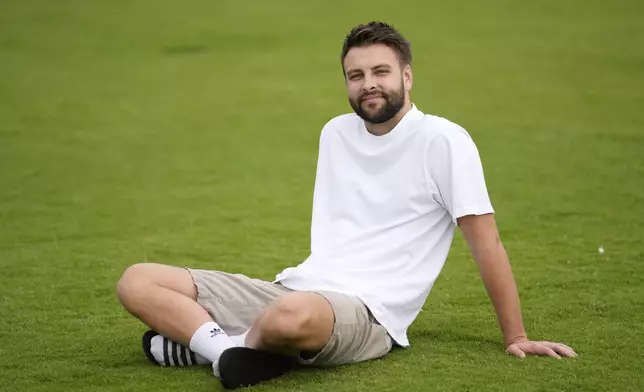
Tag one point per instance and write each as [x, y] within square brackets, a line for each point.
[516, 339]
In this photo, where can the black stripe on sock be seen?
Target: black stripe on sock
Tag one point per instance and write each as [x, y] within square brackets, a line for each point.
[193, 357]
[165, 353]
[175, 355]
[184, 356]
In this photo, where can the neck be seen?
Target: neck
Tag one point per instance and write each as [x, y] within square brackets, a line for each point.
[386, 127]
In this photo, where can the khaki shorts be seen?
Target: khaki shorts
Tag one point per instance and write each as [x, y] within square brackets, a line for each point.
[234, 301]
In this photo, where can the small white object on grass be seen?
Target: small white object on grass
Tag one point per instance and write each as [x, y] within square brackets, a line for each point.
[601, 250]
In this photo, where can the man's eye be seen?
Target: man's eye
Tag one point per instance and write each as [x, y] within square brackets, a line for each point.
[354, 77]
[382, 72]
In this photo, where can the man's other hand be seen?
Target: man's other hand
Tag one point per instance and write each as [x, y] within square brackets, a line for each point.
[528, 347]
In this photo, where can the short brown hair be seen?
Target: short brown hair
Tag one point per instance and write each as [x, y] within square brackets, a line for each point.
[377, 33]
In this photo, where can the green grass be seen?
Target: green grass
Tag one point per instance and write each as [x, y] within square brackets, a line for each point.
[186, 133]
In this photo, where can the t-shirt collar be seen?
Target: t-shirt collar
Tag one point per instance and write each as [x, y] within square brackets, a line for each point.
[403, 126]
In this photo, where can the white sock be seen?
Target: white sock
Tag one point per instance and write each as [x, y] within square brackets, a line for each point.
[210, 341]
[157, 349]
[240, 340]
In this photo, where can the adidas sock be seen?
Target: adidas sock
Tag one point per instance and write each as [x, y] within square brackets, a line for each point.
[168, 353]
[240, 340]
[210, 341]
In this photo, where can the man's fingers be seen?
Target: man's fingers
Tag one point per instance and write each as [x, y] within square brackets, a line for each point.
[541, 349]
[564, 350]
[560, 349]
[552, 353]
[568, 347]
[553, 350]
[513, 349]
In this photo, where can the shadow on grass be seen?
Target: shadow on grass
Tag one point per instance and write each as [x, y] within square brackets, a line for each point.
[451, 337]
[361, 375]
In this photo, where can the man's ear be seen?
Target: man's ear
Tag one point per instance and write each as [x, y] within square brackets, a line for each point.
[407, 78]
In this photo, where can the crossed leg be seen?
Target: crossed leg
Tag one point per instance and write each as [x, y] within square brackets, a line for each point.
[165, 299]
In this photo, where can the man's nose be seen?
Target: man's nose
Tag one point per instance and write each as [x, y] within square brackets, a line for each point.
[369, 83]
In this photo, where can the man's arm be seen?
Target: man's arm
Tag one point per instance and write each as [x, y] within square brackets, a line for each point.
[482, 236]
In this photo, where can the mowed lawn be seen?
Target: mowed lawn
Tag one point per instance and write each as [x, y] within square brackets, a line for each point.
[186, 133]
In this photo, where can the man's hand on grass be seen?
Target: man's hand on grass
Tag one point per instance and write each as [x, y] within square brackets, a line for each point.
[528, 347]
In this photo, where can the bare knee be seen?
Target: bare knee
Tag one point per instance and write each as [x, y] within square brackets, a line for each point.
[288, 318]
[132, 282]
[302, 320]
[141, 280]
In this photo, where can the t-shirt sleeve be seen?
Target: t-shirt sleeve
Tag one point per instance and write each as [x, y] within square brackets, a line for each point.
[454, 166]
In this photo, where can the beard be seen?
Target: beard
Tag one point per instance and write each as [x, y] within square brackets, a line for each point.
[394, 102]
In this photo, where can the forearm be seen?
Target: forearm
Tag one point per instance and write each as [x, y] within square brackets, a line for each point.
[482, 236]
[497, 277]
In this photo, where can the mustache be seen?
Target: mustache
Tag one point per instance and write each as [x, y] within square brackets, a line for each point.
[371, 94]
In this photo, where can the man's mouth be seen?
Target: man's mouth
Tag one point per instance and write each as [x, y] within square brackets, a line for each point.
[370, 97]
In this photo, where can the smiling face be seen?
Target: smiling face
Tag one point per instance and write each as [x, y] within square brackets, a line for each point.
[377, 84]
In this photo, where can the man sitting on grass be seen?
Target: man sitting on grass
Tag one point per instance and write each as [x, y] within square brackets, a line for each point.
[392, 183]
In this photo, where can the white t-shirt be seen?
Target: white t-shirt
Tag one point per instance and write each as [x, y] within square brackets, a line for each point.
[384, 212]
